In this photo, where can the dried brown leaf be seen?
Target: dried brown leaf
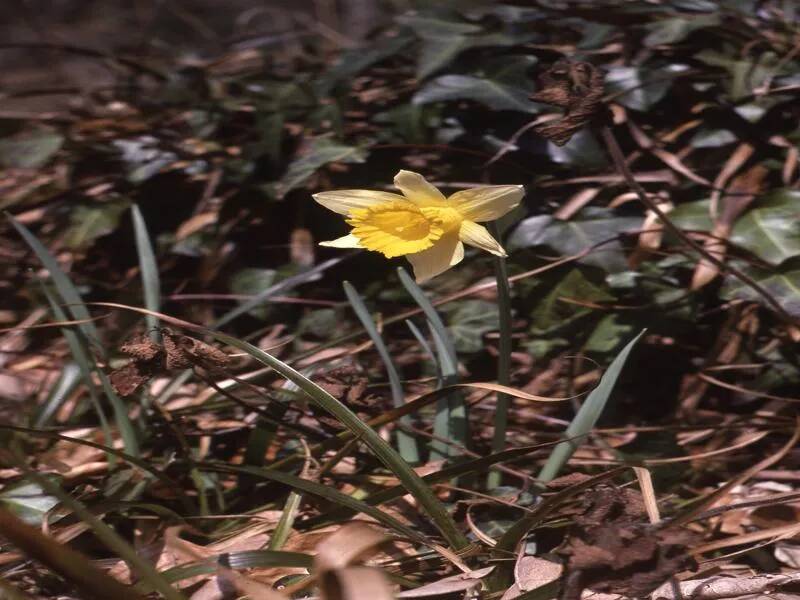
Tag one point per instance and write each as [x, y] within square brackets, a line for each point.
[352, 542]
[448, 585]
[355, 583]
[577, 87]
[612, 548]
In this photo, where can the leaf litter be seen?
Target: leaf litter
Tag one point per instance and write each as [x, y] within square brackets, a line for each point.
[221, 156]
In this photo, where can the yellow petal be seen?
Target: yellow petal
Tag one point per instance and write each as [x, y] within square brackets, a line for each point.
[346, 241]
[343, 201]
[445, 253]
[487, 203]
[415, 187]
[395, 228]
[478, 236]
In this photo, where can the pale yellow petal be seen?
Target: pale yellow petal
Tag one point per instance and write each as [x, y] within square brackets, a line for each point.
[417, 189]
[445, 253]
[478, 236]
[343, 201]
[487, 203]
[346, 241]
[458, 254]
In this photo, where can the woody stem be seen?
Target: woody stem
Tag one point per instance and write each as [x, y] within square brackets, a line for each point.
[619, 161]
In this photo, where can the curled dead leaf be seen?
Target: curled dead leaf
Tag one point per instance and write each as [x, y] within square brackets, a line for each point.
[531, 573]
[742, 192]
[448, 585]
[355, 583]
[149, 358]
[577, 87]
[354, 541]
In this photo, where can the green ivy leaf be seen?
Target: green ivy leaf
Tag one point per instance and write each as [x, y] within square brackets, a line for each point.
[582, 150]
[554, 312]
[693, 216]
[640, 89]
[252, 281]
[677, 29]
[29, 150]
[28, 501]
[469, 321]
[745, 74]
[353, 62]
[322, 151]
[589, 227]
[89, 222]
[492, 93]
[609, 334]
[783, 284]
[771, 229]
[712, 138]
[324, 323]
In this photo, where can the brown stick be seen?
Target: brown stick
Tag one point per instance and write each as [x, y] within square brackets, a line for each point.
[619, 161]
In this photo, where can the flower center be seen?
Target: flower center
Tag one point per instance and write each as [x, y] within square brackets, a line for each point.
[399, 227]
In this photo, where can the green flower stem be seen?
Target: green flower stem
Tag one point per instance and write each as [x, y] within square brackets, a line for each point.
[503, 359]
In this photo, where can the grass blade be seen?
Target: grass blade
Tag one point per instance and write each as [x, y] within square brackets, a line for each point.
[69, 294]
[406, 444]
[286, 522]
[279, 287]
[87, 366]
[323, 491]
[61, 559]
[451, 421]
[148, 268]
[243, 559]
[428, 350]
[134, 460]
[429, 311]
[382, 450]
[74, 304]
[587, 416]
[105, 534]
[67, 382]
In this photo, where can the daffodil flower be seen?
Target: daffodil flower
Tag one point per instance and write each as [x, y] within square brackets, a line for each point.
[421, 224]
